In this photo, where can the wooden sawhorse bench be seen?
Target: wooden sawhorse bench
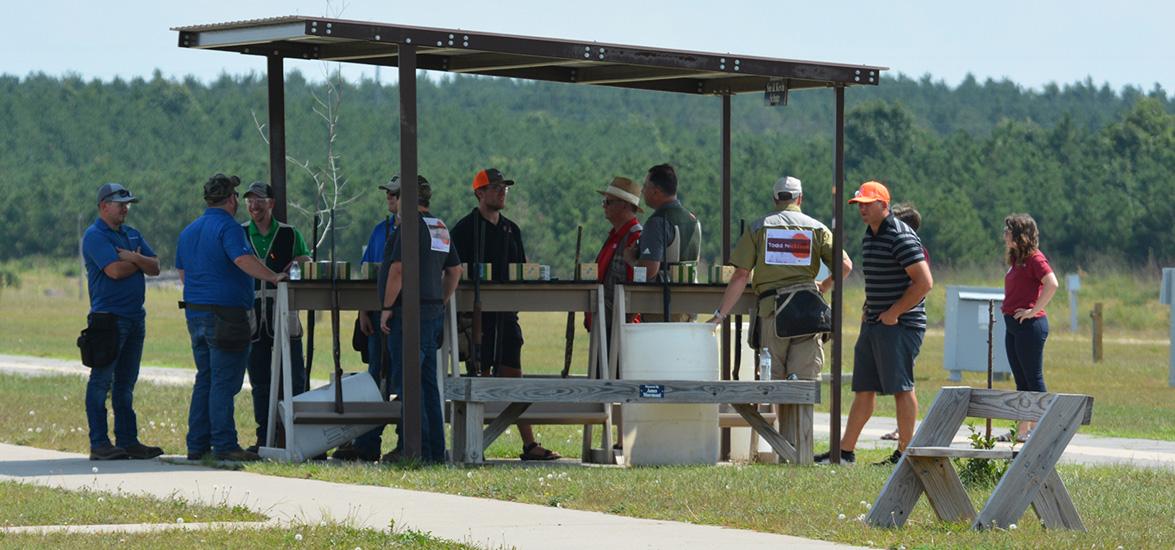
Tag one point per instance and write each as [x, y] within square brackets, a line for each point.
[470, 395]
[1030, 479]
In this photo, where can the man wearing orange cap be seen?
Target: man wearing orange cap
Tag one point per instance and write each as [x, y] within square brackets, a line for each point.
[897, 280]
[485, 236]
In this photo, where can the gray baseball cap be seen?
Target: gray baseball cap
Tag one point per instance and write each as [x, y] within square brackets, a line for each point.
[114, 192]
[393, 185]
[260, 190]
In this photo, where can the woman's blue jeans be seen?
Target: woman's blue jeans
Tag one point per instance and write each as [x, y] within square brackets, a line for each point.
[1024, 343]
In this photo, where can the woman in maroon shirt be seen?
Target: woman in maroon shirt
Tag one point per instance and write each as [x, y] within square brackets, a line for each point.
[1029, 284]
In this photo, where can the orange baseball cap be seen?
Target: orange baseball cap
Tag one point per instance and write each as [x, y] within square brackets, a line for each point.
[488, 176]
[871, 191]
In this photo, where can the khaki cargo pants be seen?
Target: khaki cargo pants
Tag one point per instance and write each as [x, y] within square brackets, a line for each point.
[801, 355]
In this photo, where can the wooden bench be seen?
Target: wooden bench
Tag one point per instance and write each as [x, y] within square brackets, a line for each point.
[1032, 477]
[470, 396]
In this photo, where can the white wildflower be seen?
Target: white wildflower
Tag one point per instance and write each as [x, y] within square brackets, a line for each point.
[298, 537]
[840, 516]
[1012, 527]
[179, 520]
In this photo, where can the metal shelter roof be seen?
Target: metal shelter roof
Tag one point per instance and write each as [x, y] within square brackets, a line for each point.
[532, 58]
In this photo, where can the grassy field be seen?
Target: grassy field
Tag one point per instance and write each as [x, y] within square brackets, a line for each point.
[24, 504]
[292, 536]
[1121, 506]
[44, 314]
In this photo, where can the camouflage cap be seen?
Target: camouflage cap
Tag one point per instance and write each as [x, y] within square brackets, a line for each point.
[220, 187]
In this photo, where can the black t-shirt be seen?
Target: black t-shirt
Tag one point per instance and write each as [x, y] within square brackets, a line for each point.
[433, 235]
[501, 243]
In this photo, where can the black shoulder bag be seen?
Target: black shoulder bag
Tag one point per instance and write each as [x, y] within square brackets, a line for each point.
[99, 340]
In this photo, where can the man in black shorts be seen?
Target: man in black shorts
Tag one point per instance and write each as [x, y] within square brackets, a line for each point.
[485, 236]
[897, 280]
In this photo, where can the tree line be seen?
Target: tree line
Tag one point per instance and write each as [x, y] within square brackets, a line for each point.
[1094, 166]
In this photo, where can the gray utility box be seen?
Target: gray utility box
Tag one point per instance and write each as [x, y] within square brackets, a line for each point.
[965, 347]
[1167, 297]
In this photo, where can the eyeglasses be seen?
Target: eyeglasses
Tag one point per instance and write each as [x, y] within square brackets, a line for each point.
[257, 201]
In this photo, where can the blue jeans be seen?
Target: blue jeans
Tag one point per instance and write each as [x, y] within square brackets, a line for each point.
[260, 359]
[118, 380]
[1024, 343]
[219, 375]
[432, 429]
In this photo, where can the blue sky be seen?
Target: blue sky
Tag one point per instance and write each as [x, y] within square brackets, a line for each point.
[1030, 42]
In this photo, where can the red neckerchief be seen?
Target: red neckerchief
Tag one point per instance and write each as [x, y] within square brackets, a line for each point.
[604, 258]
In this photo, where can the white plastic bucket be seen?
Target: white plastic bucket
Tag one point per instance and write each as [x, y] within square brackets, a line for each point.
[314, 439]
[670, 434]
[742, 448]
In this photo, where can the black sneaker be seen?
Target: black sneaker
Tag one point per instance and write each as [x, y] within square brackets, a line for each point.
[253, 448]
[846, 457]
[107, 452]
[138, 451]
[197, 455]
[350, 453]
[239, 455]
[891, 460]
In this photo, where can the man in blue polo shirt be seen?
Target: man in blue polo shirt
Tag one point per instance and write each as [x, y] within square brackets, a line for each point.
[117, 258]
[217, 267]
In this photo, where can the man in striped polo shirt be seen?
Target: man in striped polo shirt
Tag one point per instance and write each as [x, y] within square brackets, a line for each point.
[897, 280]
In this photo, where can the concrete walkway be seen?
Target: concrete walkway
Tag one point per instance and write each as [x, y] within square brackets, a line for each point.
[1084, 449]
[477, 521]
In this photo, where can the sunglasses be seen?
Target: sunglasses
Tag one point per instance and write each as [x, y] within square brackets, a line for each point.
[121, 193]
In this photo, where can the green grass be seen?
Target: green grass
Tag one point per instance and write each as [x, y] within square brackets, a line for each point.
[1130, 390]
[1120, 506]
[329, 535]
[26, 504]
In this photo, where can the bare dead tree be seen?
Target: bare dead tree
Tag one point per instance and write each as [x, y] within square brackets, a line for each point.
[330, 181]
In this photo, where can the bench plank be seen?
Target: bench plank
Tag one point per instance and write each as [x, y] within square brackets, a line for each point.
[1019, 405]
[629, 391]
[957, 452]
[1054, 507]
[901, 491]
[1035, 463]
[467, 433]
[504, 420]
[943, 487]
[761, 427]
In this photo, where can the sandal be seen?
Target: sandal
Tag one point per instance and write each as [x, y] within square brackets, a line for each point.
[535, 451]
[1007, 438]
[891, 436]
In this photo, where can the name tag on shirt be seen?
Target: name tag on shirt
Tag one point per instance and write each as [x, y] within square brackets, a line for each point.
[788, 247]
[438, 235]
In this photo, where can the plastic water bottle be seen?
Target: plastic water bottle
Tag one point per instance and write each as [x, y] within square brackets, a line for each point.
[764, 365]
[295, 272]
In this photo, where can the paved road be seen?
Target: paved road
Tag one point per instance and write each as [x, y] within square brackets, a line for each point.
[482, 522]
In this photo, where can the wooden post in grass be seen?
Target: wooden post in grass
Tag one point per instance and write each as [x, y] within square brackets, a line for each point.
[990, 355]
[1096, 327]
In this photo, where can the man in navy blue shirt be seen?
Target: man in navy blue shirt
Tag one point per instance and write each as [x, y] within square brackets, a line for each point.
[367, 447]
[217, 267]
[117, 258]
